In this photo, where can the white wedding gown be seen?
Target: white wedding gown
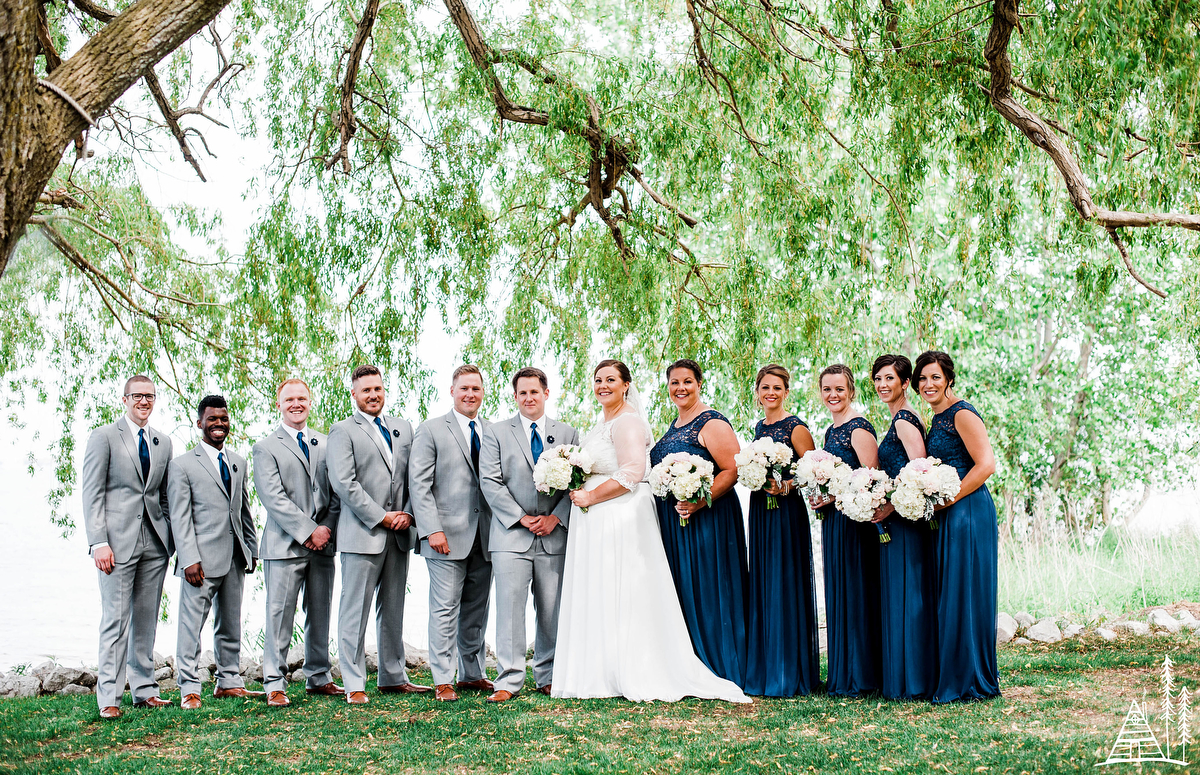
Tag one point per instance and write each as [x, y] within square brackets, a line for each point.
[620, 629]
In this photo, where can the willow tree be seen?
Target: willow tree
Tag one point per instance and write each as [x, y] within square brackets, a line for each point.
[732, 180]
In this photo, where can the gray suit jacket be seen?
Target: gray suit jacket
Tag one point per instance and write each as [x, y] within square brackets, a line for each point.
[506, 477]
[206, 519]
[115, 497]
[370, 481]
[444, 488]
[295, 492]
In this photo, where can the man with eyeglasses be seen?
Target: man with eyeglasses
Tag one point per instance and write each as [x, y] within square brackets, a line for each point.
[129, 534]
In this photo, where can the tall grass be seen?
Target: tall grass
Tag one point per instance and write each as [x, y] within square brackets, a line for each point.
[1119, 572]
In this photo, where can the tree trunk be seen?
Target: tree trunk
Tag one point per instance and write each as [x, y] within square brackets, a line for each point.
[37, 122]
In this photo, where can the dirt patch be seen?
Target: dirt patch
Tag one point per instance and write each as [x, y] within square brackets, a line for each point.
[1173, 608]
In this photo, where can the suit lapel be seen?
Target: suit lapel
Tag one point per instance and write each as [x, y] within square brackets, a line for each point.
[372, 430]
[457, 432]
[127, 438]
[518, 430]
[288, 439]
[207, 464]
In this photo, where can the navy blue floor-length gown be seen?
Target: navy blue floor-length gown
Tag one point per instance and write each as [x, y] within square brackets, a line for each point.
[851, 553]
[906, 570]
[965, 583]
[783, 657]
[708, 561]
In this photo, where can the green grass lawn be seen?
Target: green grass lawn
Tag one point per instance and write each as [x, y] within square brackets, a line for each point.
[1061, 710]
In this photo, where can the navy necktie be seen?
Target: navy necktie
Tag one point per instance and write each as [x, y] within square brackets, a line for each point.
[474, 447]
[225, 477]
[303, 446]
[386, 436]
[535, 442]
[144, 454]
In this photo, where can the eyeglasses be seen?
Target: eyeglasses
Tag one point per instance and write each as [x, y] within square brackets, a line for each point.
[141, 396]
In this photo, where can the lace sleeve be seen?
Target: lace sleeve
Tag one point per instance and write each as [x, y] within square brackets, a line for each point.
[629, 438]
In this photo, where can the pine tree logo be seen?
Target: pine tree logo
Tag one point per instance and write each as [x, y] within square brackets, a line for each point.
[1137, 742]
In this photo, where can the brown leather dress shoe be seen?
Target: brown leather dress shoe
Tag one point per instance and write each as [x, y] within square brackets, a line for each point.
[278, 700]
[501, 696]
[445, 693]
[330, 689]
[236, 691]
[544, 690]
[190, 702]
[405, 689]
[478, 685]
[357, 698]
[110, 712]
[153, 702]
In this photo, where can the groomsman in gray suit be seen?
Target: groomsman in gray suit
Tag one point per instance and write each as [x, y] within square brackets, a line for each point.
[529, 533]
[368, 469]
[125, 513]
[453, 521]
[292, 482]
[218, 548]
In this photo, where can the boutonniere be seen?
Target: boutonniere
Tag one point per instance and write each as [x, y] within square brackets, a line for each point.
[396, 433]
[549, 439]
[235, 468]
[156, 441]
[313, 442]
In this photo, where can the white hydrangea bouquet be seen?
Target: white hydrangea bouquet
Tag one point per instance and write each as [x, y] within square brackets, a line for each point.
[763, 459]
[564, 467]
[860, 494]
[818, 472]
[922, 484]
[687, 477]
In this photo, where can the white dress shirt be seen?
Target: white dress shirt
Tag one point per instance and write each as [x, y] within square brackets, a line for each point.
[212, 453]
[527, 424]
[464, 423]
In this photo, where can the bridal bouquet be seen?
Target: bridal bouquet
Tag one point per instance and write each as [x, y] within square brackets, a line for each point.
[860, 494]
[763, 459]
[564, 467]
[819, 473]
[687, 477]
[922, 484]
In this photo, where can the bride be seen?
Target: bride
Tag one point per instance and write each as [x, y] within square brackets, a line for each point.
[620, 629]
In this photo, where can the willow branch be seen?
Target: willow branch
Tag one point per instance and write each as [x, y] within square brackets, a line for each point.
[345, 120]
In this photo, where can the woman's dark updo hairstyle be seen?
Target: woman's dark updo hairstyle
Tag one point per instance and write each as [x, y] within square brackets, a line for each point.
[776, 370]
[621, 368]
[690, 365]
[941, 359]
[900, 363]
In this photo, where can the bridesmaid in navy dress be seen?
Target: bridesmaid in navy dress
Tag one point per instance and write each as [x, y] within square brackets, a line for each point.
[906, 563]
[967, 541]
[708, 555]
[784, 657]
[850, 551]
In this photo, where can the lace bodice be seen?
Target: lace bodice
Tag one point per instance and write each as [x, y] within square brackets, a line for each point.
[892, 455]
[837, 439]
[945, 444]
[780, 431]
[620, 448]
[686, 438]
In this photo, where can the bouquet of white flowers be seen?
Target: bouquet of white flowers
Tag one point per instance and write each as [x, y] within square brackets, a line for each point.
[763, 459]
[687, 477]
[922, 484]
[860, 494]
[564, 467]
[819, 473]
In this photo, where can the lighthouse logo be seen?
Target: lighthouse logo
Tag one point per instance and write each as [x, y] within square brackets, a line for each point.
[1137, 743]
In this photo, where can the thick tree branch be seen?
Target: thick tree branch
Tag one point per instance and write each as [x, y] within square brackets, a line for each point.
[345, 119]
[37, 124]
[1006, 17]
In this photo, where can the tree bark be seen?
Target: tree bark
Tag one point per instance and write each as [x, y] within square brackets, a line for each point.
[36, 123]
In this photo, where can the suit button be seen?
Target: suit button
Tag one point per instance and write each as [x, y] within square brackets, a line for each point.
[476, 511]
